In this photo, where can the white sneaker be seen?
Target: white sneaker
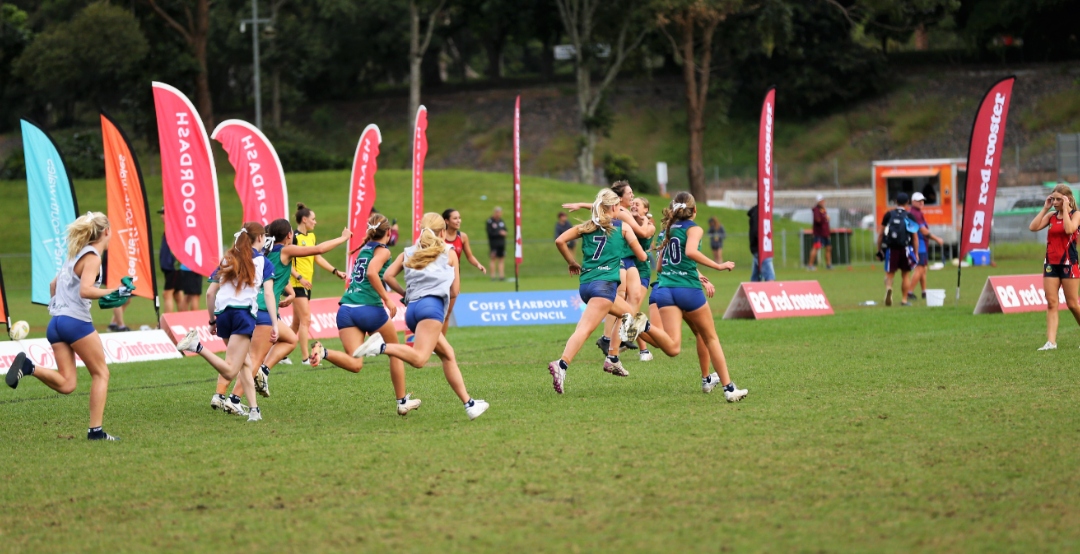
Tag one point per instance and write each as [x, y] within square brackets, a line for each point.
[262, 383]
[626, 321]
[558, 376]
[734, 395]
[410, 404]
[217, 401]
[709, 383]
[637, 326]
[615, 368]
[645, 356]
[190, 342]
[255, 415]
[373, 346]
[1048, 346]
[285, 361]
[234, 408]
[478, 407]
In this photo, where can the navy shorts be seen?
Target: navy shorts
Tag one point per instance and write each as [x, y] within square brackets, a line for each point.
[822, 242]
[68, 330]
[598, 289]
[1059, 271]
[685, 298]
[428, 307]
[262, 319]
[629, 263]
[923, 258]
[645, 282]
[235, 321]
[366, 318]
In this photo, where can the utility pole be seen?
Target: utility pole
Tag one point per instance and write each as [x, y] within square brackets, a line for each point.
[254, 21]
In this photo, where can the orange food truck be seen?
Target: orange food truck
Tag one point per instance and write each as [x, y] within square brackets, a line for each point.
[940, 181]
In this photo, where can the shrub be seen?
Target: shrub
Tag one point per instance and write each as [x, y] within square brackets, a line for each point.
[622, 167]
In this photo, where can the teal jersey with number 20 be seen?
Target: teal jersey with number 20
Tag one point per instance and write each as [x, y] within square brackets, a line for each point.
[678, 269]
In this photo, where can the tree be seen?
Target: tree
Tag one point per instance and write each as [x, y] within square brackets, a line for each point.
[417, 47]
[196, 32]
[92, 57]
[580, 19]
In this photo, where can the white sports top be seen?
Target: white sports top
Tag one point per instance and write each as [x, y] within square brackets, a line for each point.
[434, 280]
[67, 300]
[230, 296]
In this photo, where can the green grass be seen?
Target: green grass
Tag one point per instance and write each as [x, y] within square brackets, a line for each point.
[885, 430]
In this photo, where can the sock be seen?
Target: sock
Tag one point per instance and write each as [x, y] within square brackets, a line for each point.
[222, 397]
[306, 361]
[234, 399]
[198, 348]
[563, 365]
[647, 327]
[644, 351]
[95, 432]
[255, 409]
[28, 367]
[265, 370]
[613, 359]
[730, 387]
[470, 403]
[605, 338]
[382, 348]
[401, 400]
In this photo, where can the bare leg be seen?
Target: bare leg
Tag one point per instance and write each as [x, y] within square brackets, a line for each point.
[170, 304]
[720, 256]
[450, 367]
[301, 322]
[813, 257]
[1071, 287]
[594, 314]
[906, 285]
[450, 310]
[1050, 288]
[93, 355]
[260, 345]
[351, 339]
[668, 336]
[64, 379]
[284, 346]
[502, 267]
[703, 321]
[828, 255]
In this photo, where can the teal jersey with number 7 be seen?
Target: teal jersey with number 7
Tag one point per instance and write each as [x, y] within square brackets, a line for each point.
[602, 254]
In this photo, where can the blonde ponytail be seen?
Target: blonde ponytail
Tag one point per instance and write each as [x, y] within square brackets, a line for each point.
[598, 217]
[430, 245]
[85, 230]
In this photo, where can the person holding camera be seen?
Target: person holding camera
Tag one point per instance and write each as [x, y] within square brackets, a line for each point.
[1060, 267]
[897, 247]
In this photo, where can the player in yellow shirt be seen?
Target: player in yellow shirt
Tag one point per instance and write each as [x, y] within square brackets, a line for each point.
[303, 270]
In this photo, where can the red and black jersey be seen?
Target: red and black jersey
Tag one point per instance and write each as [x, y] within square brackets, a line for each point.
[1060, 247]
[459, 245]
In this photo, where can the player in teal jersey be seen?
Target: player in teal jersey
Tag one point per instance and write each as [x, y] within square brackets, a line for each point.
[366, 308]
[640, 210]
[602, 238]
[267, 354]
[679, 295]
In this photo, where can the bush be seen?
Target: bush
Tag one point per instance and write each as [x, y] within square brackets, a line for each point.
[624, 168]
[296, 157]
[14, 166]
[83, 155]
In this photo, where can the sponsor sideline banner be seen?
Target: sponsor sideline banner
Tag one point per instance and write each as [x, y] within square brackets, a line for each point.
[120, 348]
[983, 164]
[775, 299]
[362, 191]
[52, 208]
[517, 186]
[260, 179]
[420, 147]
[518, 308]
[5, 315]
[1013, 294]
[188, 181]
[131, 248]
[323, 322]
[765, 177]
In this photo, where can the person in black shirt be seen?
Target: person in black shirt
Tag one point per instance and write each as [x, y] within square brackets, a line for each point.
[496, 233]
[765, 272]
[563, 225]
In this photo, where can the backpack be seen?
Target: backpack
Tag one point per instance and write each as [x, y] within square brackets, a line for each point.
[896, 233]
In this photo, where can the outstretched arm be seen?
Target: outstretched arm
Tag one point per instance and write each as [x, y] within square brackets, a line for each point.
[571, 234]
[693, 241]
[391, 273]
[295, 250]
[469, 255]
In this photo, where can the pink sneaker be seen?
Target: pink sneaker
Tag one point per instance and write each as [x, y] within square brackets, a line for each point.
[558, 376]
[615, 368]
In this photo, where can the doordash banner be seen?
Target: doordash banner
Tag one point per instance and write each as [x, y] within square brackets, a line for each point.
[775, 299]
[52, 208]
[984, 162]
[362, 191]
[420, 147]
[260, 179]
[765, 176]
[131, 247]
[188, 181]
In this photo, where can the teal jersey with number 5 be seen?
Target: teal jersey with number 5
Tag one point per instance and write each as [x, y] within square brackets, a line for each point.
[678, 269]
[602, 254]
[360, 291]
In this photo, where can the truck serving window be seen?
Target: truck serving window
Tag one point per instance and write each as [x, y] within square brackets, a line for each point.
[930, 187]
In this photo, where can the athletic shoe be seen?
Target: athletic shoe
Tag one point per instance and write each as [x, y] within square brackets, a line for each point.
[190, 342]
[286, 361]
[410, 404]
[318, 352]
[217, 402]
[829, 267]
[102, 437]
[15, 372]
[558, 376]
[637, 326]
[478, 407]
[255, 415]
[1048, 346]
[234, 408]
[372, 347]
[113, 327]
[735, 395]
[625, 322]
[811, 268]
[924, 295]
[604, 344]
[615, 368]
[645, 355]
[709, 383]
[911, 296]
[624, 346]
[262, 383]
[906, 304]
[888, 297]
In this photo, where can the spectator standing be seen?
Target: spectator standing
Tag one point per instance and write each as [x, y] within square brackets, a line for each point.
[174, 297]
[1061, 266]
[763, 271]
[496, 233]
[563, 225]
[717, 234]
[822, 233]
[897, 247]
[917, 203]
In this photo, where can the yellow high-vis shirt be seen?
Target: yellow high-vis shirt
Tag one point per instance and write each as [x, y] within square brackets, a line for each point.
[305, 265]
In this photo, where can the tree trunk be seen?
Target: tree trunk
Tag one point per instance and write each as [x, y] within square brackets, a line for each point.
[547, 59]
[414, 60]
[695, 165]
[494, 49]
[276, 101]
[202, 79]
[587, 140]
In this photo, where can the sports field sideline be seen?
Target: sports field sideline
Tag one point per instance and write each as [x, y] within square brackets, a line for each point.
[872, 430]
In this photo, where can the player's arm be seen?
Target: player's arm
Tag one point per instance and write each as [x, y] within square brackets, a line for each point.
[571, 234]
[1042, 219]
[329, 267]
[288, 297]
[930, 235]
[211, 299]
[295, 250]
[378, 260]
[271, 307]
[1072, 222]
[88, 278]
[469, 255]
[391, 273]
[626, 217]
[635, 246]
[693, 242]
[52, 287]
[573, 206]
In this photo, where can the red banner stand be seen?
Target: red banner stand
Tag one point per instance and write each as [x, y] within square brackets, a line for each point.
[776, 299]
[1013, 294]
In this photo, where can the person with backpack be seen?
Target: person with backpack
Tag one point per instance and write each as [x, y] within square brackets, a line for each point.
[897, 247]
